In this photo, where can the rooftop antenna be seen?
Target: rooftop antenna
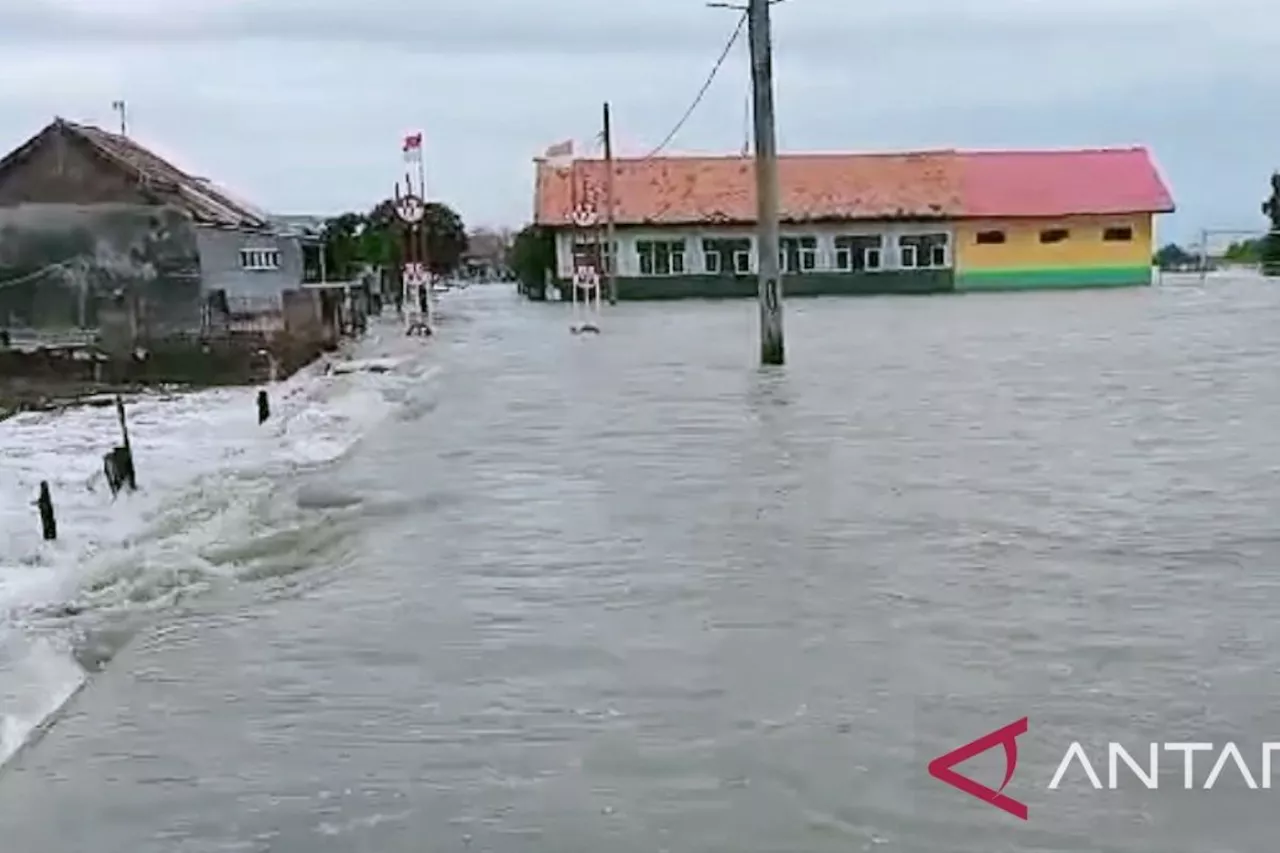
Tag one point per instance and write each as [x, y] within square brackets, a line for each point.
[122, 110]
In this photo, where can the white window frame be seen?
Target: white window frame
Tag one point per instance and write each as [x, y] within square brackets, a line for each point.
[674, 257]
[260, 260]
[905, 260]
[808, 258]
[742, 261]
[871, 259]
[711, 262]
[844, 259]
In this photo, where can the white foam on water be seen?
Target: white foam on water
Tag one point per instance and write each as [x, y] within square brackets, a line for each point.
[205, 472]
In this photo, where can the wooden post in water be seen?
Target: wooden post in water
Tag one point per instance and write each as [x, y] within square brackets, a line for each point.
[130, 474]
[264, 407]
[769, 288]
[48, 522]
[610, 257]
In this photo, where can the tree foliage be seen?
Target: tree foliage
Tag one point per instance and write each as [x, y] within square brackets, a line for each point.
[1269, 251]
[532, 253]
[1244, 252]
[376, 238]
[1173, 257]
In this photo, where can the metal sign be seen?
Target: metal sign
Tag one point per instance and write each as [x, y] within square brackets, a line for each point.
[415, 274]
[585, 215]
[410, 209]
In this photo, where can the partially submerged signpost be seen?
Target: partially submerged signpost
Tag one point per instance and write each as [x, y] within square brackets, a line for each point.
[585, 286]
[411, 209]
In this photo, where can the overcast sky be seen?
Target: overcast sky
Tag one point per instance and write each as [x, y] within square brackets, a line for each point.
[301, 105]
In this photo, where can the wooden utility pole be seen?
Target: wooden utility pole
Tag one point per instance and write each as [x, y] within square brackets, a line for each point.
[610, 233]
[769, 290]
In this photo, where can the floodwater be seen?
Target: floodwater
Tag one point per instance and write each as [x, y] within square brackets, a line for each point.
[632, 593]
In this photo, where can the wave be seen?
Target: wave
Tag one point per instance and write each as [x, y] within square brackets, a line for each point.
[208, 510]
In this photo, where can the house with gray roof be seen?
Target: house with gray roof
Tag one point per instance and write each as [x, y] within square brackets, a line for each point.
[91, 220]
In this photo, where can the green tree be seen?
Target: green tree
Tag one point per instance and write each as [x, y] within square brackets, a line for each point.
[380, 239]
[1172, 257]
[377, 238]
[532, 253]
[1244, 252]
[342, 245]
[1269, 251]
[446, 238]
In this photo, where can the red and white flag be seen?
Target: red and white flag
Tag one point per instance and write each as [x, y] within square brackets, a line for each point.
[413, 146]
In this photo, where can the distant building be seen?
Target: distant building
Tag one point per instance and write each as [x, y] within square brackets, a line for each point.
[90, 220]
[866, 223]
[486, 255]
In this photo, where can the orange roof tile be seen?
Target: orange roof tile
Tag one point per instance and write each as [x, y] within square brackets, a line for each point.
[815, 187]
[680, 190]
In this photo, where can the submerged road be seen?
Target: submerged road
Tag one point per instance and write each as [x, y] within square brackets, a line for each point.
[630, 593]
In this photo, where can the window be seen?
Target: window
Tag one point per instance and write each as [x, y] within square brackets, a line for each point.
[923, 251]
[798, 254]
[661, 257]
[858, 252]
[260, 259]
[1054, 235]
[989, 238]
[726, 255]
[1117, 235]
[594, 254]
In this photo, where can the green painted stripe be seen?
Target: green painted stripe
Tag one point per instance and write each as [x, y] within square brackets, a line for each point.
[1053, 279]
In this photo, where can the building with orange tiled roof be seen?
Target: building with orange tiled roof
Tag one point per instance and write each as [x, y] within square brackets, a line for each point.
[924, 222]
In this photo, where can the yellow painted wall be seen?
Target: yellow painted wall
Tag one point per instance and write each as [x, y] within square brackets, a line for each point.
[1022, 249]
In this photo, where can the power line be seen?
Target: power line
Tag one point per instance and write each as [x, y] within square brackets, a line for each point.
[724, 54]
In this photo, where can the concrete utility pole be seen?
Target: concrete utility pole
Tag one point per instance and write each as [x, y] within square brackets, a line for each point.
[769, 290]
[610, 233]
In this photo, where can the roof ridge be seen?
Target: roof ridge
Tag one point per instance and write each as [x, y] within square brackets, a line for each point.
[127, 151]
[1016, 152]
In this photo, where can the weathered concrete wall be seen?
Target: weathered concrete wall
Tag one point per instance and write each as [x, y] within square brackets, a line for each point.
[67, 265]
[248, 289]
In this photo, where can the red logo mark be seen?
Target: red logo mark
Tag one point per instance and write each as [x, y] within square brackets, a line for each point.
[940, 767]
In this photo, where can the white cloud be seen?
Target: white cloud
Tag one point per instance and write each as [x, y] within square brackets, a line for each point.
[301, 103]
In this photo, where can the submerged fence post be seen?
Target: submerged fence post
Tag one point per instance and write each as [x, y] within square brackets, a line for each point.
[264, 407]
[48, 523]
[130, 476]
